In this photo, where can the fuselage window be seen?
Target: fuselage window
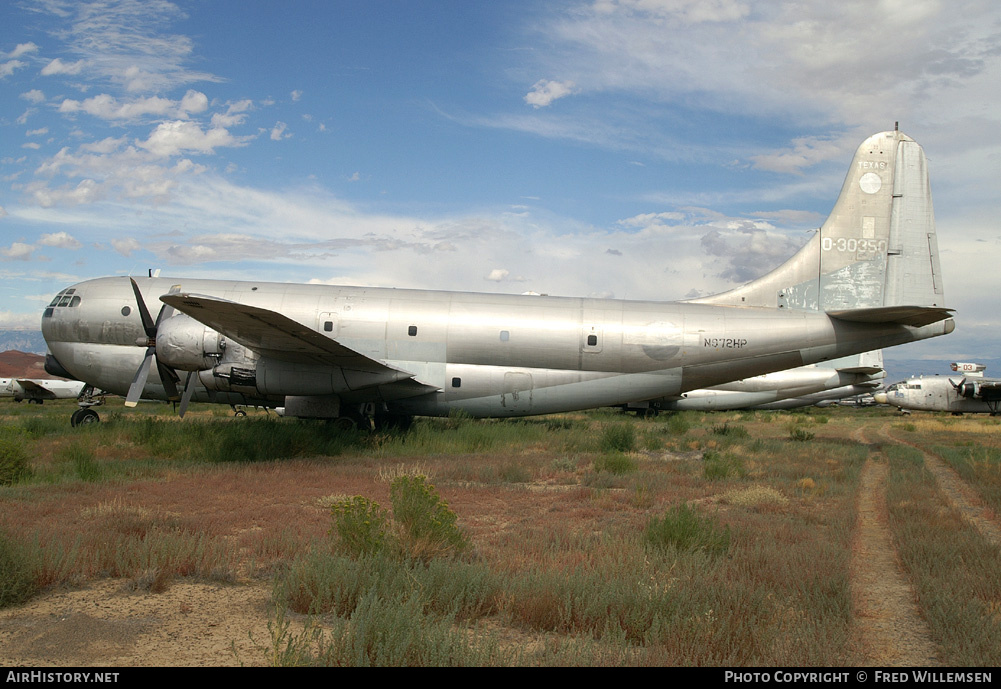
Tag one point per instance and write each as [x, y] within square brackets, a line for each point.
[126, 310]
[412, 331]
[592, 340]
[328, 326]
[457, 382]
[505, 335]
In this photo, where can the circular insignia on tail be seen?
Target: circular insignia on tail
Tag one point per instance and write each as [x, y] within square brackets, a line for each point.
[870, 182]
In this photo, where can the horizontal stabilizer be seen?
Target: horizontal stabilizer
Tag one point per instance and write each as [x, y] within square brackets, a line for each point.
[915, 316]
[867, 370]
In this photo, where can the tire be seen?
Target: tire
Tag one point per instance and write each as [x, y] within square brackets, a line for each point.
[84, 416]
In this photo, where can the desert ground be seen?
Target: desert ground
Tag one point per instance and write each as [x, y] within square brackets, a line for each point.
[852, 537]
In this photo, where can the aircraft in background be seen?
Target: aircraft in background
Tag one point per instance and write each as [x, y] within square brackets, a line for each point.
[797, 387]
[868, 279]
[38, 390]
[968, 392]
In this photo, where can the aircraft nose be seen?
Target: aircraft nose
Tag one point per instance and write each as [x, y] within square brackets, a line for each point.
[880, 398]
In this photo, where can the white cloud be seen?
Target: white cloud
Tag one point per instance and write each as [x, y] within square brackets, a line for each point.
[33, 96]
[108, 107]
[278, 131]
[57, 66]
[37, 132]
[86, 191]
[235, 114]
[174, 138]
[18, 251]
[544, 92]
[23, 49]
[8, 68]
[60, 240]
[125, 246]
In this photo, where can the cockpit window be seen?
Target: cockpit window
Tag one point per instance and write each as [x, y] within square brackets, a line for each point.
[64, 298]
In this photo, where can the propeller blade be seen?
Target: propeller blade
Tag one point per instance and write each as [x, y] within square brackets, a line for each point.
[189, 388]
[139, 381]
[148, 325]
[170, 379]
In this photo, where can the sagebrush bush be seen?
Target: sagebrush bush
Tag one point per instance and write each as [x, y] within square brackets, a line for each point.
[14, 464]
[684, 528]
[427, 524]
[800, 434]
[17, 572]
[361, 525]
[620, 437]
[615, 463]
[720, 465]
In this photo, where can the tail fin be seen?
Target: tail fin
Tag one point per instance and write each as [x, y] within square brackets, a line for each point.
[877, 249]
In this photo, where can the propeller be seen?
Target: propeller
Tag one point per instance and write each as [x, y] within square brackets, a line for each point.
[167, 375]
[189, 387]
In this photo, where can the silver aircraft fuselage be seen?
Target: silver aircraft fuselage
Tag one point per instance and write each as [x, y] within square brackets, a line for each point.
[487, 354]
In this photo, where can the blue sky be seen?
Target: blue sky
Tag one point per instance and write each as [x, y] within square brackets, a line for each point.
[639, 149]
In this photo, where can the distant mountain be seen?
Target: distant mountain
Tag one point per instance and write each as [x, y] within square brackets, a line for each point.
[23, 341]
[14, 364]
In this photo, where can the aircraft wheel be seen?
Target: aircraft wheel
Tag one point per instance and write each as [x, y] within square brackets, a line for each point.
[84, 416]
[344, 423]
[239, 412]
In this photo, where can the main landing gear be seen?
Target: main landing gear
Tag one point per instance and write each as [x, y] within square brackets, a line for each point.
[84, 416]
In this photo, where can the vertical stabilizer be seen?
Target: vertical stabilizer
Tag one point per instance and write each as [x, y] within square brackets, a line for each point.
[876, 249]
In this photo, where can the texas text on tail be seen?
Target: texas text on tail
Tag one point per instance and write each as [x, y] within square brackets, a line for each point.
[868, 280]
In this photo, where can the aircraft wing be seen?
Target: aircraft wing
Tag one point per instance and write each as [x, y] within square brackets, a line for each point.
[33, 389]
[274, 335]
[989, 389]
[916, 316]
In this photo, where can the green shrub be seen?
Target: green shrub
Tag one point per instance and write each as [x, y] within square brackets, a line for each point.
[677, 424]
[719, 465]
[17, 572]
[620, 437]
[427, 524]
[82, 459]
[729, 431]
[14, 465]
[361, 525]
[683, 528]
[615, 463]
[800, 434]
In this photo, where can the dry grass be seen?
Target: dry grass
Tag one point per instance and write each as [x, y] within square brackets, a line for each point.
[557, 539]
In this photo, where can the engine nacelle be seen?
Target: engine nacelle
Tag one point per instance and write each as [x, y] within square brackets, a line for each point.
[969, 389]
[185, 344]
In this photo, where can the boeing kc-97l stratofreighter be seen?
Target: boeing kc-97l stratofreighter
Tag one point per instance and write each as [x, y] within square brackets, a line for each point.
[868, 279]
